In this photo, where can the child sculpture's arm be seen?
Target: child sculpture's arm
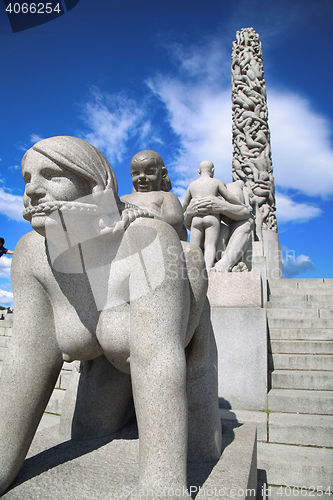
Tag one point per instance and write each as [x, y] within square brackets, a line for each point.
[172, 211]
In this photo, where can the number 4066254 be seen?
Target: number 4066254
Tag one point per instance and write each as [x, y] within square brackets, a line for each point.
[33, 8]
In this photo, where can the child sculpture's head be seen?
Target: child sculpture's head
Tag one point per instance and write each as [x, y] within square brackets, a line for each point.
[206, 166]
[149, 173]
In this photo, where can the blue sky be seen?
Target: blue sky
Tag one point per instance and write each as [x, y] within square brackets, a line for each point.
[142, 74]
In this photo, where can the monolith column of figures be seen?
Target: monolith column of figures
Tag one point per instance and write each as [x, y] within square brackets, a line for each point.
[252, 159]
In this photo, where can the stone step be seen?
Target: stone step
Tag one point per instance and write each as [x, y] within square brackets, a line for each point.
[315, 362]
[300, 313]
[295, 313]
[6, 328]
[48, 420]
[300, 333]
[326, 313]
[285, 492]
[4, 341]
[307, 430]
[3, 352]
[301, 296]
[6, 323]
[315, 293]
[298, 322]
[298, 466]
[301, 347]
[301, 283]
[299, 379]
[293, 302]
[55, 403]
[301, 401]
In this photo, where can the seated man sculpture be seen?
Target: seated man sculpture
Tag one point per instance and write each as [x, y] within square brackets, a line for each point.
[98, 279]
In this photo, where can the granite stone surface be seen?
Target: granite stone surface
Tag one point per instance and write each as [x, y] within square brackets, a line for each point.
[107, 468]
[114, 288]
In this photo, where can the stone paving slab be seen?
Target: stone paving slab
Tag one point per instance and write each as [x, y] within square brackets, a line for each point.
[106, 469]
[283, 492]
[236, 417]
[298, 466]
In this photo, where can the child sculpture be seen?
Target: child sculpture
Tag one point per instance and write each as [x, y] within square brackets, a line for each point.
[151, 189]
[205, 228]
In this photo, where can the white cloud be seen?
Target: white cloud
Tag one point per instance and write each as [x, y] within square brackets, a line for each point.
[301, 147]
[5, 263]
[6, 298]
[294, 266]
[199, 116]
[113, 120]
[14, 167]
[11, 205]
[35, 138]
[198, 103]
[289, 210]
[197, 99]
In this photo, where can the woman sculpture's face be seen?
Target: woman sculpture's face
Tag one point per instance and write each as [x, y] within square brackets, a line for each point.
[48, 182]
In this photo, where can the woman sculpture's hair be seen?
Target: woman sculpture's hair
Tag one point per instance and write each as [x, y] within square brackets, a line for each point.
[80, 157]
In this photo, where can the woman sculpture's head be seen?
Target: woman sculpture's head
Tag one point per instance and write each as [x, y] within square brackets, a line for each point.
[59, 170]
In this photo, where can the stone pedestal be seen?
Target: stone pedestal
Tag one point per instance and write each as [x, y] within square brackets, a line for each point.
[272, 252]
[234, 289]
[259, 265]
[240, 329]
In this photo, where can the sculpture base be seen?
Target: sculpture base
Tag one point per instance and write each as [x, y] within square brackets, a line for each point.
[107, 468]
[234, 289]
[272, 252]
[240, 329]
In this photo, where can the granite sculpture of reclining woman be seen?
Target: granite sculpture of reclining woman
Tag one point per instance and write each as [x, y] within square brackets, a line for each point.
[96, 281]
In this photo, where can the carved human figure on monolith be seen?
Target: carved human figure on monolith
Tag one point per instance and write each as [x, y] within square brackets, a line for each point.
[252, 159]
[106, 282]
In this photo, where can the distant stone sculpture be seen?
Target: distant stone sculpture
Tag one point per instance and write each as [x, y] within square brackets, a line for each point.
[219, 217]
[205, 228]
[99, 280]
[252, 161]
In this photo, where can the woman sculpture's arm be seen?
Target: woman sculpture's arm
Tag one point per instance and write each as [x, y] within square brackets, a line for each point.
[32, 363]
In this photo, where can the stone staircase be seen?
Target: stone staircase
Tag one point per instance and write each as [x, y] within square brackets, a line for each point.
[299, 448]
[295, 434]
